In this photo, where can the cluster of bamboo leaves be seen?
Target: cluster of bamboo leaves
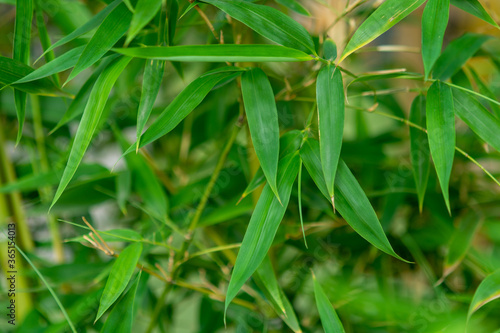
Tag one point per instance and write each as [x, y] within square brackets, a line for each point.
[233, 80]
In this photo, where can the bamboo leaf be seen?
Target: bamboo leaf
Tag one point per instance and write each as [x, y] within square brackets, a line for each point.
[151, 82]
[184, 103]
[329, 318]
[330, 99]
[382, 19]
[475, 8]
[263, 225]
[350, 200]
[268, 22]
[441, 133]
[456, 55]
[295, 6]
[477, 117]
[172, 17]
[114, 26]
[262, 117]
[330, 50]
[488, 290]
[217, 53]
[434, 22]
[93, 23]
[121, 318]
[486, 91]
[145, 10]
[21, 52]
[119, 277]
[419, 145]
[90, 120]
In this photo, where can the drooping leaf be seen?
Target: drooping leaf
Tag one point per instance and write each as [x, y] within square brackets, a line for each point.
[44, 35]
[90, 120]
[434, 22]
[419, 148]
[329, 318]
[263, 225]
[151, 82]
[460, 242]
[123, 190]
[121, 318]
[172, 17]
[382, 19]
[217, 53]
[475, 8]
[456, 55]
[488, 290]
[295, 6]
[21, 53]
[114, 26]
[330, 50]
[145, 10]
[441, 133]
[330, 99]
[119, 277]
[268, 22]
[486, 91]
[262, 117]
[93, 23]
[350, 200]
[477, 117]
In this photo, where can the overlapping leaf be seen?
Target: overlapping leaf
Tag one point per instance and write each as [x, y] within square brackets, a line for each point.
[488, 290]
[145, 10]
[475, 8]
[329, 318]
[434, 22]
[295, 6]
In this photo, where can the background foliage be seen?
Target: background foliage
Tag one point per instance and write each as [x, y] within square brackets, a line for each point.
[160, 122]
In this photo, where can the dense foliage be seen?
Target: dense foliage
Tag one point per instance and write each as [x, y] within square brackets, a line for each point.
[271, 166]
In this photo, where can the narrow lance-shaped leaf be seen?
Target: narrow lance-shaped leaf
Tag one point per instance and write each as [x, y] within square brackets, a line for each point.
[113, 27]
[329, 318]
[262, 117]
[90, 120]
[330, 99]
[382, 19]
[295, 6]
[151, 82]
[21, 52]
[119, 277]
[488, 290]
[419, 148]
[434, 22]
[486, 91]
[268, 22]
[477, 117]
[121, 318]
[217, 53]
[441, 133]
[475, 8]
[350, 200]
[44, 35]
[145, 10]
[263, 225]
[456, 55]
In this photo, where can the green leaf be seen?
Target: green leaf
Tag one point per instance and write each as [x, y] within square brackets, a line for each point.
[90, 120]
[441, 133]
[93, 23]
[475, 8]
[172, 17]
[268, 22]
[263, 225]
[488, 290]
[434, 22]
[112, 235]
[330, 50]
[329, 318]
[121, 318]
[382, 19]
[114, 26]
[460, 242]
[151, 82]
[456, 55]
[217, 53]
[419, 146]
[477, 117]
[486, 91]
[350, 200]
[123, 189]
[295, 6]
[184, 103]
[262, 117]
[21, 52]
[330, 98]
[119, 277]
[145, 10]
